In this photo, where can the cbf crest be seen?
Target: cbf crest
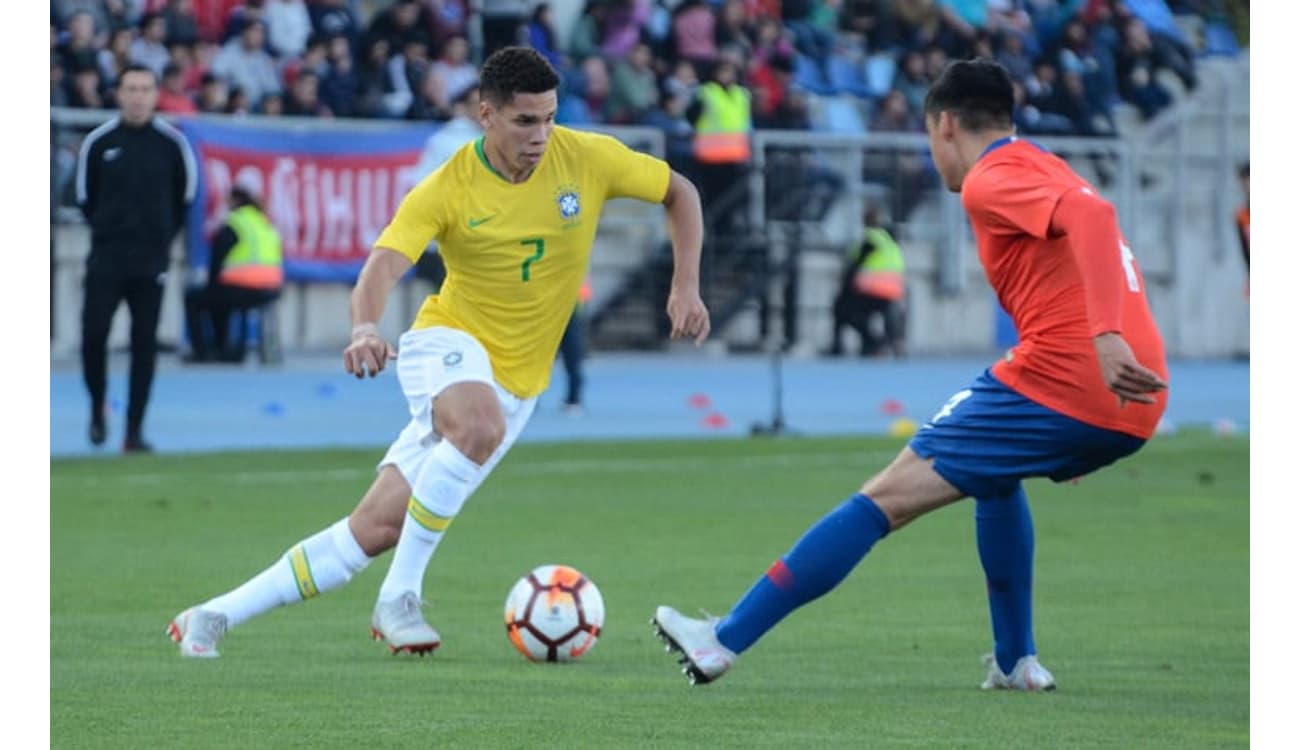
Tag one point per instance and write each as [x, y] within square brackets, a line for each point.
[569, 204]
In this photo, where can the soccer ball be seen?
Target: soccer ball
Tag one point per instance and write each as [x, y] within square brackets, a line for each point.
[554, 613]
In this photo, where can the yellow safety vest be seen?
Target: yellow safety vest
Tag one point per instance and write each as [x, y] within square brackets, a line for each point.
[881, 274]
[255, 262]
[722, 132]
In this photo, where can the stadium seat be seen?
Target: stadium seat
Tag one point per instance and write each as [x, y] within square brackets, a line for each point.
[849, 76]
[880, 70]
[838, 114]
[1219, 40]
[809, 77]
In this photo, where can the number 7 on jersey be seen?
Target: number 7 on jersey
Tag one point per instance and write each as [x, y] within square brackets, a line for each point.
[540, 244]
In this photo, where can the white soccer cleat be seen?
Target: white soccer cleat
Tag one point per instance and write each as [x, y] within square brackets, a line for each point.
[702, 657]
[399, 622]
[1028, 674]
[198, 631]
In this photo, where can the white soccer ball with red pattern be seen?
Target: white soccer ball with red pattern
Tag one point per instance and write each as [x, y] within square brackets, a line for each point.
[554, 613]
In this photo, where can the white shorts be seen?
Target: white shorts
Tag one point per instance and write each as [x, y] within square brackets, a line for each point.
[429, 360]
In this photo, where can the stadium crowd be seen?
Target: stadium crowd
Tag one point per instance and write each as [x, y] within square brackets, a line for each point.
[635, 61]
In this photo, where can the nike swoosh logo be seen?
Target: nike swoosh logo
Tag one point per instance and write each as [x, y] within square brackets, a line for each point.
[473, 223]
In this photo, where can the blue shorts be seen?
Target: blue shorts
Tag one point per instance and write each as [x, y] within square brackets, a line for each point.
[988, 437]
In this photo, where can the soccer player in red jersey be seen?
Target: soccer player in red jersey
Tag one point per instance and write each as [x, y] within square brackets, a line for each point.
[1084, 387]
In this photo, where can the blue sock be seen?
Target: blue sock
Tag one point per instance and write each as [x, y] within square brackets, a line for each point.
[821, 558]
[1004, 533]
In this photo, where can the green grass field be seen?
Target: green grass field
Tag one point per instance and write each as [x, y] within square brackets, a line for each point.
[1142, 606]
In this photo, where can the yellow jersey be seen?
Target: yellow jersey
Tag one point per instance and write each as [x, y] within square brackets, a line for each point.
[516, 254]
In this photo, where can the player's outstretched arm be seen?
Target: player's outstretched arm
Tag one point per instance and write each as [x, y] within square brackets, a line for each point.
[368, 353]
[686, 310]
[1109, 273]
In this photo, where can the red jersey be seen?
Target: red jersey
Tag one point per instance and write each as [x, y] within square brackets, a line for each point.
[1011, 195]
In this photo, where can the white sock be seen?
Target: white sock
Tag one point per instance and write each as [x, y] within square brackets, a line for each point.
[443, 485]
[318, 564]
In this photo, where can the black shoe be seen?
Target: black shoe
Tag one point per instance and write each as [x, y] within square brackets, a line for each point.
[98, 432]
[136, 444]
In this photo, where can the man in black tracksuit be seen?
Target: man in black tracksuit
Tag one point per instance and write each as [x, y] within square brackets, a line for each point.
[135, 177]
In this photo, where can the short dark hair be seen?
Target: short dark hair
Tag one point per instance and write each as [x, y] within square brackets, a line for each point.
[516, 70]
[977, 92]
[137, 68]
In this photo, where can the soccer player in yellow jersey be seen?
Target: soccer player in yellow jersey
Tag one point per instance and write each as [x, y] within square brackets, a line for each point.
[514, 215]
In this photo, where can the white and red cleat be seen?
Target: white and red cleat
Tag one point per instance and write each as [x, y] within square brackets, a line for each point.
[197, 631]
[399, 622]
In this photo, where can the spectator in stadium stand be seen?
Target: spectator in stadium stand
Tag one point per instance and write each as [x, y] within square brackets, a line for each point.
[623, 27]
[241, 16]
[769, 82]
[372, 79]
[314, 58]
[245, 64]
[213, 95]
[201, 55]
[63, 11]
[341, 86]
[450, 18]
[150, 49]
[136, 176]
[406, 72]
[911, 79]
[896, 116]
[182, 23]
[1136, 66]
[733, 30]
[172, 97]
[1011, 53]
[692, 35]
[116, 55]
[86, 91]
[670, 117]
[811, 38]
[873, 22]
[541, 37]
[1093, 63]
[78, 49]
[503, 23]
[304, 97]
[633, 87]
[591, 103]
[237, 102]
[452, 74]
[288, 26]
[588, 31]
[683, 80]
[770, 41]
[335, 18]
[399, 22]
[271, 105]
[1168, 39]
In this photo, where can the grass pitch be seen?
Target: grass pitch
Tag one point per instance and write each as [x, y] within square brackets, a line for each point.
[1142, 606]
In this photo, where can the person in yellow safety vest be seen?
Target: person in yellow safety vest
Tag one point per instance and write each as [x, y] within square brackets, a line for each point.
[573, 349]
[245, 271]
[723, 116]
[872, 284]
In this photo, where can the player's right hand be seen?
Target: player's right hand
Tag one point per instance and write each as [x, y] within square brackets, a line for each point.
[1124, 375]
[368, 353]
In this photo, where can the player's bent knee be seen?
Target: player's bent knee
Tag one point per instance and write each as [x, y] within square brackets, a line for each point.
[477, 439]
[909, 488]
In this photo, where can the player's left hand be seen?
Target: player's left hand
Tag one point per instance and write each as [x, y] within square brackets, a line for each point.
[1124, 375]
[688, 315]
